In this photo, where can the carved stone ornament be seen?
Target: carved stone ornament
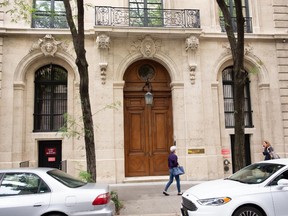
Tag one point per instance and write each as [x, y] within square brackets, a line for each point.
[227, 48]
[48, 45]
[248, 49]
[103, 69]
[103, 44]
[191, 46]
[192, 43]
[147, 46]
[103, 41]
[192, 73]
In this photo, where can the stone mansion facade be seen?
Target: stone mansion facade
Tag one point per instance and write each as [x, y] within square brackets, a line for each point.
[176, 50]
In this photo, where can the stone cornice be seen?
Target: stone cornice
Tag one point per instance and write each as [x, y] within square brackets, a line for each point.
[136, 31]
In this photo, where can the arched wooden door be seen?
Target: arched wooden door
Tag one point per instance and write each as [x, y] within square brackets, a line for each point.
[148, 129]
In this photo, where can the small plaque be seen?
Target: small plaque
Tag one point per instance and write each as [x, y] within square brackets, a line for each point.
[196, 151]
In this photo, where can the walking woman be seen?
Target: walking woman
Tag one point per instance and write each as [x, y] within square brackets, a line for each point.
[172, 162]
[268, 151]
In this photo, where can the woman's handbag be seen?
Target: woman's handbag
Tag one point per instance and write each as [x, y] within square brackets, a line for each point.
[178, 170]
[273, 155]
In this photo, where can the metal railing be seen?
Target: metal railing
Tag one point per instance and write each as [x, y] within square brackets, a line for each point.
[247, 24]
[145, 17]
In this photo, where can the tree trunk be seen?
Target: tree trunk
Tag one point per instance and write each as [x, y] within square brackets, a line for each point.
[239, 142]
[87, 116]
[240, 76]
[81, 62]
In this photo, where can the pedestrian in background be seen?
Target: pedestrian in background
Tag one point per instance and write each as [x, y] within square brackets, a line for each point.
[172, 162]
[267, 150]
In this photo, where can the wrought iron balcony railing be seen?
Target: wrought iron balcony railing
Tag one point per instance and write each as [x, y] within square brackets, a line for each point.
[145, 17]
[247, 24]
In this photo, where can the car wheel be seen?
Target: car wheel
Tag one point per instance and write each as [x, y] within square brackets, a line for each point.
[248, 211]
[55, 214]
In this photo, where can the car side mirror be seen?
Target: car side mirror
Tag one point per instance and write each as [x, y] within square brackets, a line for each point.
[282, 183]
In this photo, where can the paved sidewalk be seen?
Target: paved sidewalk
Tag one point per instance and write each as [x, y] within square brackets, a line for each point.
[147, 199]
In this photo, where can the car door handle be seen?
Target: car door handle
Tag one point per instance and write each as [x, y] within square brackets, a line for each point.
[37, 205]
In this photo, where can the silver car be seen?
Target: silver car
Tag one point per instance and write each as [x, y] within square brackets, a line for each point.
[51, 192]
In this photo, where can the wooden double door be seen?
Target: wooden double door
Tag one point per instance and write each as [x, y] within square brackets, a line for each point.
[148, 129]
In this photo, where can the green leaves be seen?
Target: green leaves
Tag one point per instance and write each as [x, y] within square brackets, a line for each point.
[18, 10]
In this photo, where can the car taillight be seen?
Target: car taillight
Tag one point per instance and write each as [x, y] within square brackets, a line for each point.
[102, 199]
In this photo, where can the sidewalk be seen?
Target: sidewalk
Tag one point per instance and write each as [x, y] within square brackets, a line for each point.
[147, 199]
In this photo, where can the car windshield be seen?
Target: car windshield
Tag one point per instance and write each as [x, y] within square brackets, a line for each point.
[255, 173]
[66, 179]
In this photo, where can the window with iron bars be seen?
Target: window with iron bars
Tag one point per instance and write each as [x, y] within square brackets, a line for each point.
[228, 94]
[50, 98]
[146, 13]
[232, 10]
[49, 14]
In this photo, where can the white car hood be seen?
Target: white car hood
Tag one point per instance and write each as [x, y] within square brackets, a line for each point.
[219, 188]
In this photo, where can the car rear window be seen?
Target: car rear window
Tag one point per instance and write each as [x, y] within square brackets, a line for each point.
[66, 179]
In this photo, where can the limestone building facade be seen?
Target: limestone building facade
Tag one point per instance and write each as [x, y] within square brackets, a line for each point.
[178, 51]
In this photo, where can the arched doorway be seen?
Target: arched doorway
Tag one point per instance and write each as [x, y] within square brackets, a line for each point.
[148, 129]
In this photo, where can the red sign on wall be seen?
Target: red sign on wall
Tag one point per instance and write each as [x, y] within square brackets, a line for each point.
[51, 159]
[50, 151]
[225, 151]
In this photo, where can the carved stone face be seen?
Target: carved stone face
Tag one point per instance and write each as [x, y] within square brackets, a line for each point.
[49, 47]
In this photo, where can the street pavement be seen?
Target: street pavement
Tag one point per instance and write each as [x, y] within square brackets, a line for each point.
[147, 199]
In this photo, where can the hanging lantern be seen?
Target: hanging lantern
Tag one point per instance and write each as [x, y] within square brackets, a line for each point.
[149, 98]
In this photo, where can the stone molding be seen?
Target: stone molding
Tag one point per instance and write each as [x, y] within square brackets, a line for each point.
[103, 44]
[191, 47]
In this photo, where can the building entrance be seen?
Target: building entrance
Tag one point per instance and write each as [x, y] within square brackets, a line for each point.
[148, 129]
[50, 153]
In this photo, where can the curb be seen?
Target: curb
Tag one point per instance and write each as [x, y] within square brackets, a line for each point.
[160, 214]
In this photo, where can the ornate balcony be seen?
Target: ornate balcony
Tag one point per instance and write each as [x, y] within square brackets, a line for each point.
[144, 17]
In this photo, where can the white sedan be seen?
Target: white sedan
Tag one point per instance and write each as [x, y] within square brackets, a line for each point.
[260, 189]
[51, 192]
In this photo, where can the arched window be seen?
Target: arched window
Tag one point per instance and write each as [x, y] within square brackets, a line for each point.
[228, 85]
[50, 98]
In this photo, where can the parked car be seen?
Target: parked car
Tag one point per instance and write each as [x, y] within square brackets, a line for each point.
[260, 189]
[51, 192]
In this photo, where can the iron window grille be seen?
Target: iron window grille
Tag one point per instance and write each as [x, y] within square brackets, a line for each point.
[50, 98]
[49, 14]
[228, 94]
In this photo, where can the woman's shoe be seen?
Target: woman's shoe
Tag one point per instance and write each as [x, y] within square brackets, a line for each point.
[180, 193]
[165, 193]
